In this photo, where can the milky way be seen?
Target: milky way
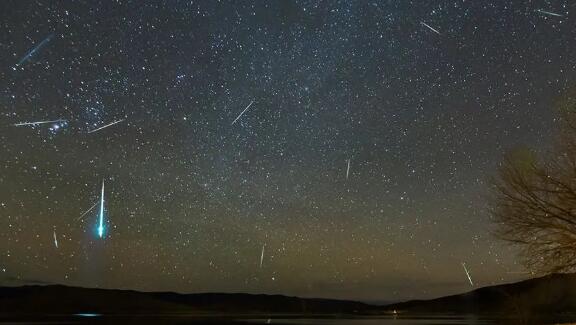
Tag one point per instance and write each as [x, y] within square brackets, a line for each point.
[362, 159]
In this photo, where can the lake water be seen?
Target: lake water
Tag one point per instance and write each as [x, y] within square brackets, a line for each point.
[375, 321]
[242, 320]
[247, 319]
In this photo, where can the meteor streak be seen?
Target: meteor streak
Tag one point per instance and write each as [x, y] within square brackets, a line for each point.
[262, 255]
[348, 169]
[549, 13]
[105, 126]
[55, 239]
[101, 219]
[467, 274]
[430, 28]
[34, 50]
[247, 107]
[39, 122]
[92, 207]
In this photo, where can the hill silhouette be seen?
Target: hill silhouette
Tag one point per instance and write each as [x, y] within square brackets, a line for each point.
[551, 296]
[546, 296]
[72, 300]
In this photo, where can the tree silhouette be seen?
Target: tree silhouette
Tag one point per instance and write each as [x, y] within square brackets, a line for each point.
[534, 206]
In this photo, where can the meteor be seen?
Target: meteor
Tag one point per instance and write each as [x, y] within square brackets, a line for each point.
[247, 107]
[430, 28]
[101, 219]
[38, 122]
[55, 239]
[262, 255]
[105, 126]
[549, 13]
[467, 274]
[34, 50]
[92, 207]
[348, 169]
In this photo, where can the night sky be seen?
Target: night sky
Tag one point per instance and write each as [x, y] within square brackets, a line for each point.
[361, 169]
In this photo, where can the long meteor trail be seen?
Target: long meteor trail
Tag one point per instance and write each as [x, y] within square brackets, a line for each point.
[467, 274]
[430, 28]
[34, 50]
[92, 207]
[247, 107]
[105, 126]
[549, 13]
[101, 219]
[55, 239]
[262, 255]
[38, 122]
[348, 169]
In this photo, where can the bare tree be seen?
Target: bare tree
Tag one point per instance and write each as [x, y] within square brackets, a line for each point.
[534, 206]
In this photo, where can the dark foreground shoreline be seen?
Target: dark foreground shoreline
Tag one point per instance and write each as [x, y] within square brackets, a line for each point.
[313, 319]
[546, 300]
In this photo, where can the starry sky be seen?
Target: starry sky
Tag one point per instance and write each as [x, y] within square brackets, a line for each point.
[360, 168]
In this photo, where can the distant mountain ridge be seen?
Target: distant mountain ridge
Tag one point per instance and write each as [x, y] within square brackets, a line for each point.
[548, 295]
[71, 300]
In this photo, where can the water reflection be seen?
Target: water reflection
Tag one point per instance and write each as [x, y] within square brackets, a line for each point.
[374, 321]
